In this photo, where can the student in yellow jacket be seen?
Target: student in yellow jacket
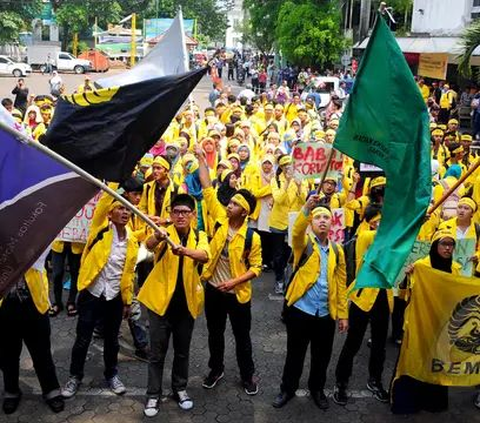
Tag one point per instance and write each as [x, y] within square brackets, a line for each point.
[105, 286]
[316, 297]
[24, 318]
[289, 195]
[173, 295]
[369, 305]
[236, 259]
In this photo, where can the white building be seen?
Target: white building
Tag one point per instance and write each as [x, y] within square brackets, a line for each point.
[236, 17]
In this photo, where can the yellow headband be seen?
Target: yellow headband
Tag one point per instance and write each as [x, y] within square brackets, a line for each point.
[285, 160]
[468, 202]
[321, 210]
[159, 160]
[443, 233]
[458, 150]
[453, 122]
[375, 218]
[241, 201]
[378, 181]
[466, 137]
[438, 132]
[114, 205]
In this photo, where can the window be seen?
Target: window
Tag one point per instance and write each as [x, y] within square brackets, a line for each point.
[64, 57]
[475, 15]
[476, 3]
[2, 60]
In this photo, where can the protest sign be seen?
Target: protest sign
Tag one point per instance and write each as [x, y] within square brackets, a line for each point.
[464, 250]
[77, 229]
[420, 250]
[310, 161]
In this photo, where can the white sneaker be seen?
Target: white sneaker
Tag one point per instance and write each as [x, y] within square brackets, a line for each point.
[184, 401]
[116, 385]
[477, 401]
[71, 387]
[151, 407]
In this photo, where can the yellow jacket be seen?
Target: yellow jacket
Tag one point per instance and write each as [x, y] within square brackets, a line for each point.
[37, 283]
[365, 298]
[238, 265]
[147, 202]
[286, 198]
[58, 246]
[308, 274]
[259, 191]
[96, 255]
[158, 289]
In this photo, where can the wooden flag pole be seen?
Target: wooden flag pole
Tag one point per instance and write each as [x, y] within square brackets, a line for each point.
[329, 162]
[450, 191]
[85, 175]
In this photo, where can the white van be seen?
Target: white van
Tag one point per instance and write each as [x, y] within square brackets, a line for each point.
[324, 85]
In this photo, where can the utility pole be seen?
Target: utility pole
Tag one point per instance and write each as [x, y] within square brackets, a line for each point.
[133, 47]
[365, 13]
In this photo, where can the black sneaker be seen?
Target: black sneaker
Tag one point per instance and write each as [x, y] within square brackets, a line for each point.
[10, 404]
[340, 395]
[320, 400]
[250, 387]
[379, 393]
[212, 379]
[56, 404]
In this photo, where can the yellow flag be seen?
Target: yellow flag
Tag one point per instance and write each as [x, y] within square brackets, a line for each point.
[441, 344]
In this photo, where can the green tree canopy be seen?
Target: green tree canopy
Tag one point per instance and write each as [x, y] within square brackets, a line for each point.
[16, 16]
[309, 33]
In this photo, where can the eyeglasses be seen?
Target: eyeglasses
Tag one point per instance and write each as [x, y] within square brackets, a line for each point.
[181, 212]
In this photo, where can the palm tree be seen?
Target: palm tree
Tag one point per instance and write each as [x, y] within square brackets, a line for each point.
[470, 41]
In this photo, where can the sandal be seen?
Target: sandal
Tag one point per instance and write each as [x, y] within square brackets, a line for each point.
[54, 310]
[71, 310]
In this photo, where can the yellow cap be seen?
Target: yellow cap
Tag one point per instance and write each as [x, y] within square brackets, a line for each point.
[285, 160]
[378, 181]
[443, 233]
[146, 160]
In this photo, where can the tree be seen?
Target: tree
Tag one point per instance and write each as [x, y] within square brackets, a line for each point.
[309, 33]
[16, 16]
[470, 41]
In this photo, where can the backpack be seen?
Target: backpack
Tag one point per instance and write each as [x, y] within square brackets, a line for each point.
[449, 207]
[350, 250]
[247, 247]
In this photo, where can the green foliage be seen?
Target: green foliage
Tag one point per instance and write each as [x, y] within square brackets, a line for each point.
[470, 41]
[10, 25]
[309, 33]
[261, 27]
[15, 16]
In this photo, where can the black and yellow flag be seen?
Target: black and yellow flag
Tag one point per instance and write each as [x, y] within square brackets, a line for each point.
[107, 131]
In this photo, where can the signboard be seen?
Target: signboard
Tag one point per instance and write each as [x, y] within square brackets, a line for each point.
[464, 250]
[310, 161]
[77, 229]
[364, 167]
[154, 27]
[420, 250]
[433, 65]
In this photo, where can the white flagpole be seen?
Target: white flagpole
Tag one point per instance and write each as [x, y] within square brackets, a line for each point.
[85, 175]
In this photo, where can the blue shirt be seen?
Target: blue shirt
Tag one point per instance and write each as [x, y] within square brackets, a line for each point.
[315, 300]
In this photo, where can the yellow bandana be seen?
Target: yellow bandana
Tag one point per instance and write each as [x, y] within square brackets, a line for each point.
[468, 202]
[321, 210]
[159, 160]
[241, 201]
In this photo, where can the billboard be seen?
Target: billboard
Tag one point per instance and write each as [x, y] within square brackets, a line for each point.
[154, 27]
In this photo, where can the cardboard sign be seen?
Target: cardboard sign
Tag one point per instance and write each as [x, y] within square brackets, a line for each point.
[77, 229]
[310, 161]
[464, 250]
[433, 65]
[420, 250]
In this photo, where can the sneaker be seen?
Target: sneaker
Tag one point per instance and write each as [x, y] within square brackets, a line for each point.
[379, 393]
[71, 387]
[279, 288]
[10, 403]
[116, 385]
[212, 379]
[151, 407]
[56, 404]
[250, 387]
[340, 395]
[184, 401]
[476, 403]
[320, 400]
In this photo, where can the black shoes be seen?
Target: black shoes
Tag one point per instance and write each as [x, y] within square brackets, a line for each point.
[340, 396]
[379, 393]
[212, 379]
[56, 404]
[10, 404]
[320, 400]
[281, 399]
[250, 387]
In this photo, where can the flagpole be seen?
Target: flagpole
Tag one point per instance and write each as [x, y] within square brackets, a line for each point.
[329, 162]
[450, 191]
[85, 175]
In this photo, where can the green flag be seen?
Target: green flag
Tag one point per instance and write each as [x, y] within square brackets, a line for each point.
[386, 124]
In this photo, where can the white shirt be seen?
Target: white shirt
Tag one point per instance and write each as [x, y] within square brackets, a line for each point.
[108, 281]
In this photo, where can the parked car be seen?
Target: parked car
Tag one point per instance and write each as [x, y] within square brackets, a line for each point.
[323, 87]
[8, 66]
[38, 55]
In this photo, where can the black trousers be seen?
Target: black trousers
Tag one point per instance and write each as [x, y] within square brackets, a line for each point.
[358, 320]
[58, 264]
[266, 239]
[280, 252]
[230, 74]
[218, 306]
[302, 330]
[399, 307]
[90, 310]
[180, 327]
[21, 321]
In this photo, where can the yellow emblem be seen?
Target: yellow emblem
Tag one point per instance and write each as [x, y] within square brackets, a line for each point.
[88, 98]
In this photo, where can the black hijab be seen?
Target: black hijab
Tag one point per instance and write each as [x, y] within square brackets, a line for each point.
[225, 191]
[438, 262]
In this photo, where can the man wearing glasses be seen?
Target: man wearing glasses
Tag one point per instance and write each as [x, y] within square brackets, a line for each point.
[174, 297]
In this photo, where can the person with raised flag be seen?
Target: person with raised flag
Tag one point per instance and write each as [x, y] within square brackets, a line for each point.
[236, 259]
[316, 298]
[105, 285]
[174, 297]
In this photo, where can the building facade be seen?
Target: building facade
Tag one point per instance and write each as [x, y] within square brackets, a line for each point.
[236, 17]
